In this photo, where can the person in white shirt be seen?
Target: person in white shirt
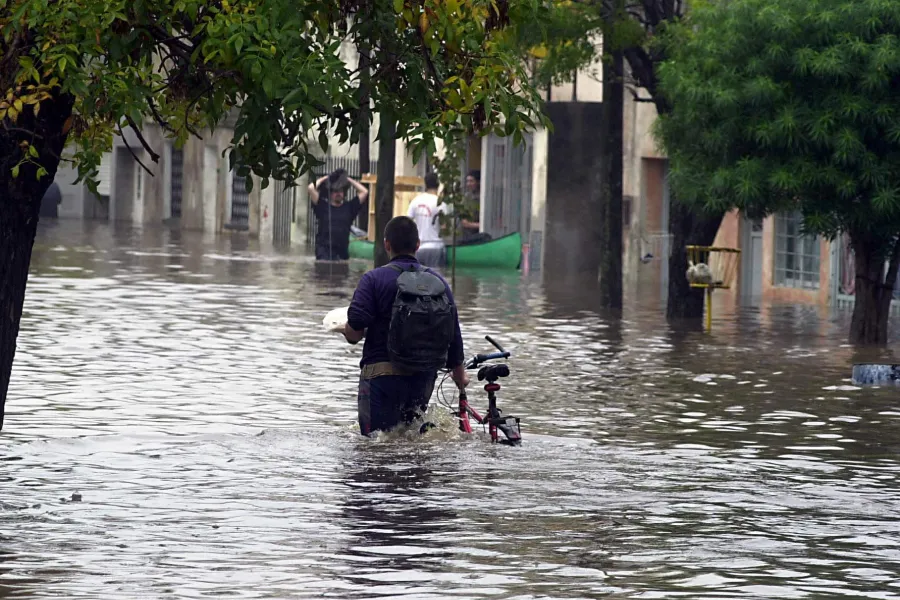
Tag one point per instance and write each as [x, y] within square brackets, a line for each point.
[424, 210]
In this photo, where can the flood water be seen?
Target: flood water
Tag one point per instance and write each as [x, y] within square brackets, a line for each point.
[184, 387]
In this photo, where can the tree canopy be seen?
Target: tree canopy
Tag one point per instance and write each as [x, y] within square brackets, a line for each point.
[789, 104]
[187, 64]
[73, 73]
[782, 105]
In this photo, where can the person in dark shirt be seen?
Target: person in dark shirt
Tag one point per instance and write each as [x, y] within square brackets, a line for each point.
[51, 201]
[334, 215]
[388, 397]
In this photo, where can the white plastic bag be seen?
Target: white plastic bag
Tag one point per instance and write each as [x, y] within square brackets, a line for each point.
[336, 319]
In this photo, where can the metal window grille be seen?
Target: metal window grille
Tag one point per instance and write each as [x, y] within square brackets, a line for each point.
[507, 185]
[240, 202]
[176, 182]
[351, 165]
[845, 277]
[797, 256]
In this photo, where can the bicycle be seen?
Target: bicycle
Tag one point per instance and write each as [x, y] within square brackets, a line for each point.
[508, 425]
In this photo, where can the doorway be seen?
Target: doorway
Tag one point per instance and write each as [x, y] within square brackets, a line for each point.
[752, 267]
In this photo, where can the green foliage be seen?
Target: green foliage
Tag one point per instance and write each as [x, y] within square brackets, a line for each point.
[565, 36]
[453, 193]
[272, 64]
[558, 42]
[788, 104]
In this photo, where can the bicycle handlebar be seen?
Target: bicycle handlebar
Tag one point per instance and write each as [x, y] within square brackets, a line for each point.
[480, 358]
[495, 344]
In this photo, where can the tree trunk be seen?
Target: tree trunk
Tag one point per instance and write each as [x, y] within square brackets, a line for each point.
[20, 204]
[687, 228]
[384, 198]
[364, 112]
[874, 291]
[364, 143]
[610, 188]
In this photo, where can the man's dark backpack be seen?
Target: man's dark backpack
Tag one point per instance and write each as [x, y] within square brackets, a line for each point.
[423, 321]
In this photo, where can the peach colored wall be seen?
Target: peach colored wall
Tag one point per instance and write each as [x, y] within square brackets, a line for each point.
[729, 236]
[653, 172]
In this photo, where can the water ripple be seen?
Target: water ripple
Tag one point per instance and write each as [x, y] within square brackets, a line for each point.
[184, 388]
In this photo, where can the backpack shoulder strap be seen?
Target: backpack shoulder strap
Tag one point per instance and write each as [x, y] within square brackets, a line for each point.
[413, 267]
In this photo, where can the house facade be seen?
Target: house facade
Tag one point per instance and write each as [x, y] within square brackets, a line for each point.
[543, 189]
[779, 263]
[190, 188]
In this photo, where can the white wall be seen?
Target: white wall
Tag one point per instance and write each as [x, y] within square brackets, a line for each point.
[540, 155]
[587, 85]
[266, 211]
[73, 195]
[211, 186]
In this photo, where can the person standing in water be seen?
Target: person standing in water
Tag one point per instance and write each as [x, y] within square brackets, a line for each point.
[335, 216]
[470, 229]
[390, 393]
[424, 210]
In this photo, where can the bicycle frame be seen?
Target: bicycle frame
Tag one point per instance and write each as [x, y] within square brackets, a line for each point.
[496, 423]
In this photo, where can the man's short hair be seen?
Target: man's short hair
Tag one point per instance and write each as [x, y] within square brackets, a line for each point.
[431, 181]
[402, 234]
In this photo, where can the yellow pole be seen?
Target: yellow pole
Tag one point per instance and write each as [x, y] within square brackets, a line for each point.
[709, 309]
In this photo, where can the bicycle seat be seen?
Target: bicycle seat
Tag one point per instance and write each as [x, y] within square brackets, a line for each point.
[493, 372]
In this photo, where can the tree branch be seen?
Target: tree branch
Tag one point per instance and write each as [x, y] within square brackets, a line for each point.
[636, 95]
[187, 111]
[153, 155]
[893, 266]
[639, 17]
[162, 122]
[34, 135]
[124, 139]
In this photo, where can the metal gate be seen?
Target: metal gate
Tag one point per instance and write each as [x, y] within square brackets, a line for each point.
[351, 165]
[240, 202]
[282, 214]
[507, 187]
[177, 158]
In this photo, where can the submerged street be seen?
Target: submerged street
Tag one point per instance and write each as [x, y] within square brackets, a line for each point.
[184, 387]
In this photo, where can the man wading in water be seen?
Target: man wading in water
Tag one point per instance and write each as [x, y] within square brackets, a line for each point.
[335, 216]
[409, 335]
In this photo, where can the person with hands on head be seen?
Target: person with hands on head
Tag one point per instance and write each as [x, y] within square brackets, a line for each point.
[335, 215]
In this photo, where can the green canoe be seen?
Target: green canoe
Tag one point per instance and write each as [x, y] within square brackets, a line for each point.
[502, 253]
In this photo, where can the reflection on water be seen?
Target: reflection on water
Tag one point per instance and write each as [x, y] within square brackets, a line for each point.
[184, 387]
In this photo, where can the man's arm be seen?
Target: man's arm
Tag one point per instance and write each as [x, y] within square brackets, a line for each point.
[361, 313]
[314, 189]
[362, 192]
[353, 336]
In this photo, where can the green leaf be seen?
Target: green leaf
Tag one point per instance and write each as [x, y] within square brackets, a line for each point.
[15, 171]
[32, 151]
[398, 6]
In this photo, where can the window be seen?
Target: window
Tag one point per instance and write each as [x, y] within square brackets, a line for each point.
[796, 255]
